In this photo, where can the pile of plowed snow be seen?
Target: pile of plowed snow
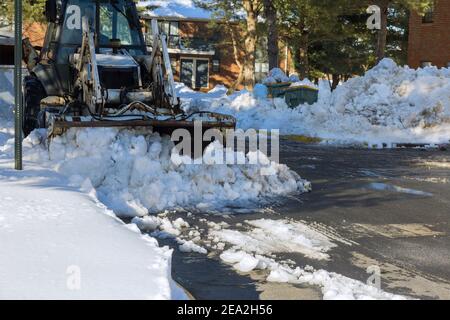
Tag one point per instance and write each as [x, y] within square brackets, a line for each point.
[134, 174]
[389, 104]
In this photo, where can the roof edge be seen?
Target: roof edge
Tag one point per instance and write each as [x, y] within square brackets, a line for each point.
[147, 16]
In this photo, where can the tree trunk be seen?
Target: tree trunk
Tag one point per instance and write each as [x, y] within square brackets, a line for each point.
[302, 54]
[272, 35]
[335, 81]
[236, 50]
[238, 81]
[382, 33]
[250, 44]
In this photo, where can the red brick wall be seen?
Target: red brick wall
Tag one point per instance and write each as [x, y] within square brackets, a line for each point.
[430, 41]
[35, 32]
[228, 69]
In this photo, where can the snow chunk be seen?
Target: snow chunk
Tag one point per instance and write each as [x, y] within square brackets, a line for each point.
[190, 246]
[271, 236]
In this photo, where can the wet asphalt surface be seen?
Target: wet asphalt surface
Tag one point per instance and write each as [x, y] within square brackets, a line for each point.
[383, 207]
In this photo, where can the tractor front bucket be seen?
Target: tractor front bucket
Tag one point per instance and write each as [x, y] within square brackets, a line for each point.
[58, 124]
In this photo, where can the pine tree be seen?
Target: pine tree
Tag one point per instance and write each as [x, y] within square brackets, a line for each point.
[307, 22]
[32, 10]
[385, 6]
[270, 14]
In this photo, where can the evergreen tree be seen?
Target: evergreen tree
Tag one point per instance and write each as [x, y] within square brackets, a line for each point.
[32, 10]
[386, 6]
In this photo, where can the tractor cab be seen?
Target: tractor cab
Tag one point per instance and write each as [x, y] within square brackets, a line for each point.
[94, 71]
[115, 24]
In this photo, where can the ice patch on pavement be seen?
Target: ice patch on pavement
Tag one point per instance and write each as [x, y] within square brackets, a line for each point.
[393, 188]
[436, 164]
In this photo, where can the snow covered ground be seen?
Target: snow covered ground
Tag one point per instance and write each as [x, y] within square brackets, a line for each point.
[60, 243]
[389, 104]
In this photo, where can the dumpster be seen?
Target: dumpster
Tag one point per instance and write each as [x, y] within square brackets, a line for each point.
[276, 89]
[297, 95]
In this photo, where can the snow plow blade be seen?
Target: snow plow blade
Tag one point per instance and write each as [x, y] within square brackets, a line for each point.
[58, 124]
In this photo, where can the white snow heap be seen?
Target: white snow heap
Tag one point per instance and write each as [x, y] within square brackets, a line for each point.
[397, 97]
[133, 173]
[389, 104]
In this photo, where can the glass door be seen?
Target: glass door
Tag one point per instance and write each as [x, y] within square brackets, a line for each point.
[195, 73]
[187, 72]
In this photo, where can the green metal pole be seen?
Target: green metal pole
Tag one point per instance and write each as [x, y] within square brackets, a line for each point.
[18, 109]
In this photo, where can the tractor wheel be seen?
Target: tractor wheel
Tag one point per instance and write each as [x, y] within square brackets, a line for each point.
[34, 92]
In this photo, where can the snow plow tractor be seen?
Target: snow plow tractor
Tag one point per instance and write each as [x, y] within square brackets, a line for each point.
[95, 70]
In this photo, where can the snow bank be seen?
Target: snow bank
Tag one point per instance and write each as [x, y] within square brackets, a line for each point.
[134, 175]
[57, 243]
[389, 104]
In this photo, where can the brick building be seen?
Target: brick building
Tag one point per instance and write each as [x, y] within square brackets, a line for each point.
[201, 57]
[202, 54]
[429, 36]
[201, 51]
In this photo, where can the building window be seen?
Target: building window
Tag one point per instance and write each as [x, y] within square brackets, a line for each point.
[261, 70]
[195, 72]
[170, 28]
[174, 64]
[425, 64]
[429, 14]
